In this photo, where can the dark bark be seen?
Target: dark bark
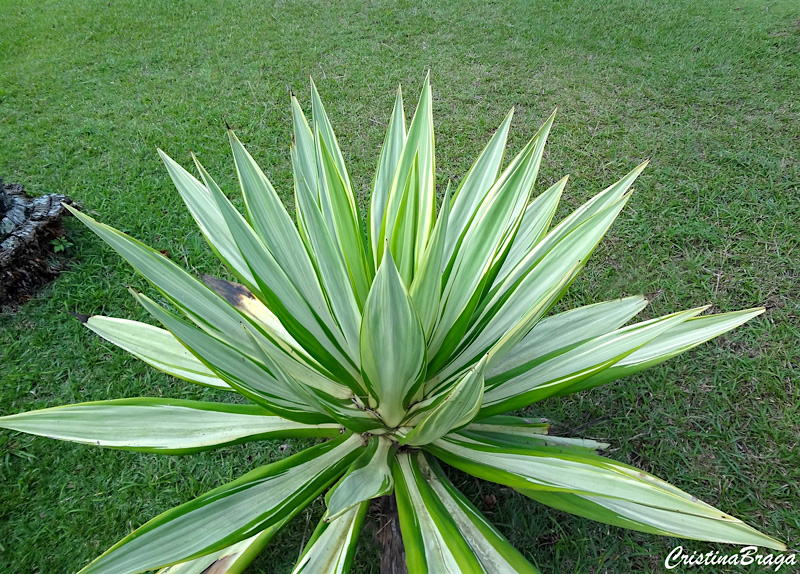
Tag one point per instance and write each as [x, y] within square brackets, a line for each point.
[27, 226]
[393, 555]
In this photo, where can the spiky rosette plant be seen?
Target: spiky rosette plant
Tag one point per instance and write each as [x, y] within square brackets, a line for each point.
[403, 350]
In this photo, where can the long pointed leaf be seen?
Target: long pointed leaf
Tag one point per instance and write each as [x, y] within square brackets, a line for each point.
[675, 341]
[157, 347]
[231, 560]
[249, 378]
[161, 426]
[387, 165]
[543, 377]
[499, 213]
[565, 330]
[571, 471]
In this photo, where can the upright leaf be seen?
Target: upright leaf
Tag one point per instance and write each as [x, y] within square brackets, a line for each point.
[392, 345]
[207, 215]
[499, 212]
[426, 290]
[337, 199]
[476, 184]
[387, 165]
[409, 214]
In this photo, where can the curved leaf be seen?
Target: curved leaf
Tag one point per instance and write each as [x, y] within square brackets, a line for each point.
[370, 476]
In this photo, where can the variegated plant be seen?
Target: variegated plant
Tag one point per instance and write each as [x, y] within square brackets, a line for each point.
[403, 350]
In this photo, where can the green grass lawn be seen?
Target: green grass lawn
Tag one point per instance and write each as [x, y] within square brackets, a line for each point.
[709, 90]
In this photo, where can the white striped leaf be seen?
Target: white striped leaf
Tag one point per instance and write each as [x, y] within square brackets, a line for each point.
[292, 291]
[675, 341]
[251, 379]
[333, 399]
[337, 201]
[475, 185]
[565, 330]
[231, 560]
[540, 379]
[500, 211]
[201, 305]
[230, 513]
[603, 200]
[329, 262]
[156, 347]
[450, 410]
[571, 471]
[524, 436]
[410, 210]
[273, 339]
[331, 548]
[161, 426]
[543, 281]
[242, 299]
[304, 164]
[426, 289]
[387, 165]
[370, 476]
[392, 345]
[495, 553]
[532, 228]
[206, 214]
[431, 538]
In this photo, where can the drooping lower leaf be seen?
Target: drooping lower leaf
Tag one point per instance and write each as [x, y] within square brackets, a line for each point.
[431, 538]
[495, 553]
[238, 510]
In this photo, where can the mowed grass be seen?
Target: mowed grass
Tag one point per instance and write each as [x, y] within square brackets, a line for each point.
[708, 90]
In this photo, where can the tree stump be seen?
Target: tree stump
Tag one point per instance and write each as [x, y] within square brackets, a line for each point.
[27, 227]
[393, 554]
